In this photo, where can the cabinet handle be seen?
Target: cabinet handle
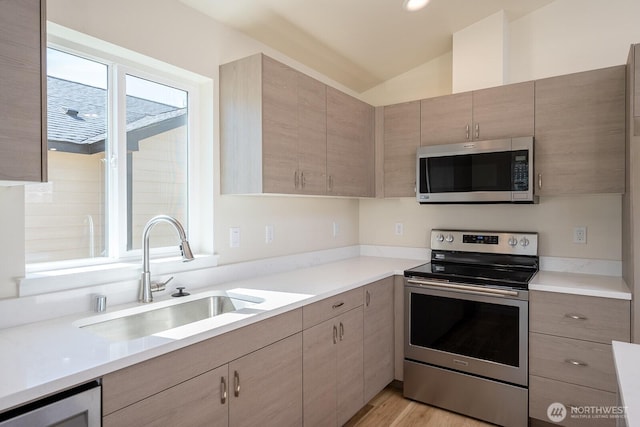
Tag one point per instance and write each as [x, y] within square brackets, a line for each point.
[236, 383]
[575, 316]
[575, 362]
[540, 181]
[467, 133]
[302, 180]
[367, 298]
[338, 305]
[341, 331]
[477, 130]
[335, 334]
[295, 179]
[330, 182]
[223, 390]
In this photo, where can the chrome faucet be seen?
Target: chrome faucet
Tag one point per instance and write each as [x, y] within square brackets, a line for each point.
[146, 285]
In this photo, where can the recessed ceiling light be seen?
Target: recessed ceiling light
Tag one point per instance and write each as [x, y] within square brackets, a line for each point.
[413, 5]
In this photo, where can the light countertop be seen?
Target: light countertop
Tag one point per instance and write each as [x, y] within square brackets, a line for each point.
[626, 356]
[42, 358]
[581, 284]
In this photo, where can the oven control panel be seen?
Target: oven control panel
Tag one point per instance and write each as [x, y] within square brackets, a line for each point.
[513, 243]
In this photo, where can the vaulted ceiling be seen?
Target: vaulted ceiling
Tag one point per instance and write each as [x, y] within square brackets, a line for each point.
[358, 43]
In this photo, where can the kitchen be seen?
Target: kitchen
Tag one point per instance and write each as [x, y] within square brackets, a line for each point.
[549, 41]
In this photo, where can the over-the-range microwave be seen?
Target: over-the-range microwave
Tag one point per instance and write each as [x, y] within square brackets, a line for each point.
[493, 171]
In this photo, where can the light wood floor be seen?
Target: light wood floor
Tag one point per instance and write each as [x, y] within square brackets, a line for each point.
[390, 409]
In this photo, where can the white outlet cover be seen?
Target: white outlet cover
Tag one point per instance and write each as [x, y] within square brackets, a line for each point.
[268, 234]
[399, 229]
[580, 235]
[336, 229]
[234, 237]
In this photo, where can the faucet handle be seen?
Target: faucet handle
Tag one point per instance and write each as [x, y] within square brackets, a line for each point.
[160, 286]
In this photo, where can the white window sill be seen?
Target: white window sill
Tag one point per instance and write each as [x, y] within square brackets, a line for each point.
[44, 282]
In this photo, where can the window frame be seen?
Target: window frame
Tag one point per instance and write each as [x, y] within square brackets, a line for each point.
[120, 62]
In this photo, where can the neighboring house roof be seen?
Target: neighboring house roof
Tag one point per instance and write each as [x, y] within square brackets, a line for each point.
[76, 117]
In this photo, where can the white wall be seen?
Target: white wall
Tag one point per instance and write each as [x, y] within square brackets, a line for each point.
[479, 54]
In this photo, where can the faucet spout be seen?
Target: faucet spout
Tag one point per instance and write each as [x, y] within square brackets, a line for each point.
[145, 294]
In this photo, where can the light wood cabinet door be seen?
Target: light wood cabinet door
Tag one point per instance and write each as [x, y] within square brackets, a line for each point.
[446, 119]
[279, 126]
[320, 374]
[350, 146]
[378, 336]
[503, 111]
[401, 141]
[543, 392]
[266, 386]
[636, 74]
[312, 135]
[23, 138]
[350, 364]
[580, 132]
[197, 402]
[581, 317]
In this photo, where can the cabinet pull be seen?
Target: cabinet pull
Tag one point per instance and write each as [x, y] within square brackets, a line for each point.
[467, 133]
[223, 390]
[575, 362]
[341, 331]
[367, 298]
[236, 383]
[302, 180]
[335, 334]
[338, 305]
[477, 130]
[295, 179]
[330, 182]
[540, 181]
[575, 316]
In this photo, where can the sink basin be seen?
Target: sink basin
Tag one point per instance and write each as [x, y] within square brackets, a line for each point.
[146, 323]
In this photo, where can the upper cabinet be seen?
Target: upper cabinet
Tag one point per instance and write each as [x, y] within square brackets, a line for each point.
[350, 145]
[23, 139]
[500, 112]
[636, 74]
[579, 133]
[285, 132]
[401, 140]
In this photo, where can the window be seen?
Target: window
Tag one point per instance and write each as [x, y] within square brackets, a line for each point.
[119, 145]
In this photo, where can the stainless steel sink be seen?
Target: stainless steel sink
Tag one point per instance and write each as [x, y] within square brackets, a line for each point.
[146, 323]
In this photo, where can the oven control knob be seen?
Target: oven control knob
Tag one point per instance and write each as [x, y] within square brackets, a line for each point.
[450, 238]
[524, 242]
[440, 238]
[512, 241]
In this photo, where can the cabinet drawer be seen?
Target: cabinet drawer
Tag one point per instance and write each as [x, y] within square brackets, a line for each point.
[582, 317]
[543, 392]
[578, 362]
[134, 383]
[320, 311]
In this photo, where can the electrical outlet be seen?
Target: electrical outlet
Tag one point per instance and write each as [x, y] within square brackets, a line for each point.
[336, 229]
[399, 229]
[234, 237]
[580, 235]
[268, 234]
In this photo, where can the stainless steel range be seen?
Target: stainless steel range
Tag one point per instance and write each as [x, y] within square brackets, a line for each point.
[467, 324]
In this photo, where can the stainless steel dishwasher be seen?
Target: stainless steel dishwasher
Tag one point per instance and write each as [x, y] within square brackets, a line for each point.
[77, 407]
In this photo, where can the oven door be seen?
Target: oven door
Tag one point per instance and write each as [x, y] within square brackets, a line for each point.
[468, 329]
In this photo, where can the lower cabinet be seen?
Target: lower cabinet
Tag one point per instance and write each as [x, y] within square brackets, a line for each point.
[378, 336]
[261, 388]
[332, 360]
[570, 357]
[197, 402]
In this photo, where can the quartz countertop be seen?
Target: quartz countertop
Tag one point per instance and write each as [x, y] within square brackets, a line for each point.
[581, 284]
[625, 357]
[42, 358]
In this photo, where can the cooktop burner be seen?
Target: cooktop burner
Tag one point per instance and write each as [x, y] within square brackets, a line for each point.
[481, 258]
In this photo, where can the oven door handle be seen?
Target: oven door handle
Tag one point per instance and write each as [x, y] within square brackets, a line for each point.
[478, 289]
